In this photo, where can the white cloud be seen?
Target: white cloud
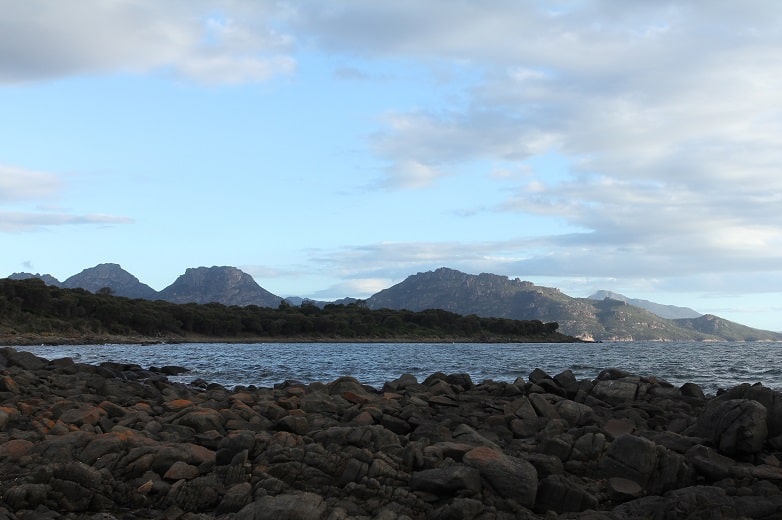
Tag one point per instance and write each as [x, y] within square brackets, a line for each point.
[356, 288]
[668, 112]
[412, 174]
[19, 184]
[207, 41]
[18, 221]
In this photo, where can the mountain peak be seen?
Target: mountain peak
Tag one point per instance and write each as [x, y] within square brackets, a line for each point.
[218, 284]
[113, 276]
[47, 278]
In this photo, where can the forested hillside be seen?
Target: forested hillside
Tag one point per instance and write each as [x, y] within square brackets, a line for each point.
[33, 311]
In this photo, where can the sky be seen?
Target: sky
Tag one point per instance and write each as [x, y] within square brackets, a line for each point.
[332, 149]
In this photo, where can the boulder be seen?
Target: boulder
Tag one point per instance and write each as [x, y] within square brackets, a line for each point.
[510, 477]
[770, 399]
[734, 426]
[614, 391]
[710, 464]
[559, 494]
[299, 506]
[447, 480]
[631, 457]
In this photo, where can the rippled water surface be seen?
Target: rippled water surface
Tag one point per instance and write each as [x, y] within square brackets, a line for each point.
[711, 365]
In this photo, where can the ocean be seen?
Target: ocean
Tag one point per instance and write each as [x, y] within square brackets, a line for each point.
[713, 366]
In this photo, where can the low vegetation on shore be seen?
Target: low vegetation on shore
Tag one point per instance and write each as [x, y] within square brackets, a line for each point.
[32, 312]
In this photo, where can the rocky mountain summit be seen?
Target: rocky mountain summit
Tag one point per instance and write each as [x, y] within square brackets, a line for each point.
[121, 441]
[46, 278]
[112, 277]
[226, 285]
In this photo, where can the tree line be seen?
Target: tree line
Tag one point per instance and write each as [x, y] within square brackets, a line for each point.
[32, 307]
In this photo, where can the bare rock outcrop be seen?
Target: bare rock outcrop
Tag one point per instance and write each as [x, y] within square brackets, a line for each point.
[120, 441]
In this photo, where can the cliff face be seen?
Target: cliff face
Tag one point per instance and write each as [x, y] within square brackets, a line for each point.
[113, 277]
[226, 285]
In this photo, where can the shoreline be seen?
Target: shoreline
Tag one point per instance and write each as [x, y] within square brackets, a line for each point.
[114, 441]
[21, 340]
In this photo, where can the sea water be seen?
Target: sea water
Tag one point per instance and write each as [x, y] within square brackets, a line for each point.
[711, 365]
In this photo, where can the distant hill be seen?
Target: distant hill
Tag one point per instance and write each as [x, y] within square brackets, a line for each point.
[714, 325]
[489, 295]
[113, 277]
[297, 301]
[670, 312]
[603, 316]
[46, 278]
[226, 285]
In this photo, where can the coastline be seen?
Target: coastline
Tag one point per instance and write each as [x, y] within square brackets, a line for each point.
[28, 339]
[122, 441]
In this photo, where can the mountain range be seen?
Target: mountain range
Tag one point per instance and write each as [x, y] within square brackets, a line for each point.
[671, 312]
[604, 316]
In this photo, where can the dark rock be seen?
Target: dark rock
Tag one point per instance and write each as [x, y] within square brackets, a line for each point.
[26, 496]
[172, 370]
[614, 391]
[300, 506]
[76, 439]
[236, 498]
[566, 379]
[195, 495]
[448, 480]
[735, 426]
[622, 489]
[542, 406]
[538, 375]
[615, 428]
[464, 381]
[24, 360]
[692, 390]
[576, 414]
[631, 457]
[510, 477]
[712, 465]
[459, 509]
[202, 420]
[770, 399]
[589, 446]
[557, 493]
[545, 465]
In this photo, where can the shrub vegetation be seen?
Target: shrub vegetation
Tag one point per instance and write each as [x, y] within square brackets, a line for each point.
[32, 308]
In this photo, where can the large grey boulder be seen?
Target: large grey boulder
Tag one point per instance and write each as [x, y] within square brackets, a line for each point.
[447, 480]
[511, 477]
[631, 457]
[615, 391]
[734, 426]
[769, 398]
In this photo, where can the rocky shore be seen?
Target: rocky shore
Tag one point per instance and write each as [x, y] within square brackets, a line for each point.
[121, 441]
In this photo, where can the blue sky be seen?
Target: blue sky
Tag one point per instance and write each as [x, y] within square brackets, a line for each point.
[331, 149]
